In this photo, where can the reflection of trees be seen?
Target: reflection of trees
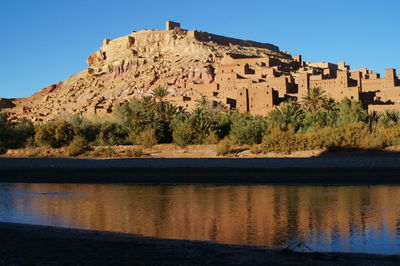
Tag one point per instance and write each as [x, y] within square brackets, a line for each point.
[261, 215]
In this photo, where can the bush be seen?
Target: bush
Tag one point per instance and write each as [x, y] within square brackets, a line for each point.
[134, 152]
[21, 132]
[147, 138]
[351, 112]
[280, 141]
[54, 134]
[111, 134]
[211, 139]
[85, 128]
[351, 136]
[104, 152]
[78, 146]
[183, 135]
[255, 149]
[3, 148]
[247, 129]
[195, 128]
[4, 133]
[225, 147]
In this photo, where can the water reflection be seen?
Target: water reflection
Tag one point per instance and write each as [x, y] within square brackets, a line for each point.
[323, 218]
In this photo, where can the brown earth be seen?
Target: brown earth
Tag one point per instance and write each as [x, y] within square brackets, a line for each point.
[190, 151]
[157, 151]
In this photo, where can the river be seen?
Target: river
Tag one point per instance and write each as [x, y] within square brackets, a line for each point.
[303, 218]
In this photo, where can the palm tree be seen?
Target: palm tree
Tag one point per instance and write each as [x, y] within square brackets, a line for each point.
[287, 113]
[159, 94]
[389, 117]
[373, 119]
[315, 99]
[169, 111]
[159, 103]
[203, 102]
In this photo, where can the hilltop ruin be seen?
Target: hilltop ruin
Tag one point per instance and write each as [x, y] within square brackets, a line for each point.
[248, 76]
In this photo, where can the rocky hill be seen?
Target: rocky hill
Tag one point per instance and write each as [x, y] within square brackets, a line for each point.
[132, 66]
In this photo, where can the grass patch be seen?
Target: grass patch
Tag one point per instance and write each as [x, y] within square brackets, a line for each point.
[225, 147]
[134, 152]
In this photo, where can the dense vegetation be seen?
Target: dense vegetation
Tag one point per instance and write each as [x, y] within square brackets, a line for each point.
[315, 122]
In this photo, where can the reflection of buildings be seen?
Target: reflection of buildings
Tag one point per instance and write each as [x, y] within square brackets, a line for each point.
[260, 215]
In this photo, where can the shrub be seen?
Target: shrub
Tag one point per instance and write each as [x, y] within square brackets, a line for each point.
[78, 146]
[255, 149]
[139, 115]
[54, 134]
[111, 134]
[201, 123]
[225, 147]
[351, 136]
[134, 152]
[21, 132]
[3, 148]
[350, 112]
[211, 139]
[85, 128]
[104, 152]
[147, 138]
[247, 129]
[4, 133]
[183, 135]
[280, 141]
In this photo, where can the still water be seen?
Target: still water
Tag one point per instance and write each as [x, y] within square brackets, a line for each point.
[314, 218]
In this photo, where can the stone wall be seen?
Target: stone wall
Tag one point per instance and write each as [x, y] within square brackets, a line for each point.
[222, 40]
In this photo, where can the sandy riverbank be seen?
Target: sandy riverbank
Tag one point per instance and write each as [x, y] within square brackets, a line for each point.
[42, 245]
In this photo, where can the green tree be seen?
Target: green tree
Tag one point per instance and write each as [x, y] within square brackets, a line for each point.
[4, 132]
[55, 134]
[248, 129]
[288, 113]
[350, 112]
[315, 100]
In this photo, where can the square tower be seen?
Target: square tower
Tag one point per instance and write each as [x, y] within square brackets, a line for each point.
[170, 25]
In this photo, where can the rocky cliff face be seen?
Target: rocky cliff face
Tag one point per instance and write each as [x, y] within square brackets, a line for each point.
[132, 66]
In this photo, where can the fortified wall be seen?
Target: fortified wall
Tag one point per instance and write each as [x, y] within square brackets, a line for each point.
[222, 40]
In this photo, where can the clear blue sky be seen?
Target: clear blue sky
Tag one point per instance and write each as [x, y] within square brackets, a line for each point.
[46, 41]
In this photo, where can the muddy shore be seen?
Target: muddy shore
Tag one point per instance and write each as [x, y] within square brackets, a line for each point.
[314, 170]
[43, 245]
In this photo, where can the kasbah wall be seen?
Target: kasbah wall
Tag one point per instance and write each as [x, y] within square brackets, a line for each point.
[257, 85]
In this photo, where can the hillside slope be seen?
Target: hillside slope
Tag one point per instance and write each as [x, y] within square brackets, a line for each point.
[132, 66]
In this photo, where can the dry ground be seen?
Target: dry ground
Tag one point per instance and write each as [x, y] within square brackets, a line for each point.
[174, 151]
[157, 151]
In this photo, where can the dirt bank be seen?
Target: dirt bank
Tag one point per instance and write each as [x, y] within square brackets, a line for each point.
[42, 245]
[316, 170]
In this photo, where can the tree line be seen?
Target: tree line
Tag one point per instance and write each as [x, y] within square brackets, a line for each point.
[315, 122]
